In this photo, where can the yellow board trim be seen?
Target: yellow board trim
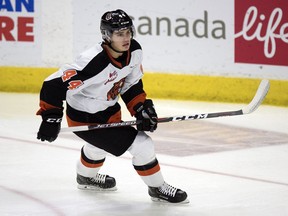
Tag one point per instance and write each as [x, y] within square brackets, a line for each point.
[163, 85]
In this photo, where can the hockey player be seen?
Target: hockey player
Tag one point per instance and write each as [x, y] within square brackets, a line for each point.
[91, 87]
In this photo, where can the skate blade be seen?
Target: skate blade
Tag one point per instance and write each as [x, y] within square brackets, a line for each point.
[186, 201]
[94, 188]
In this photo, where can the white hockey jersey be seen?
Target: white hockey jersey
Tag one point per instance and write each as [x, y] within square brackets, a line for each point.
[92, 84]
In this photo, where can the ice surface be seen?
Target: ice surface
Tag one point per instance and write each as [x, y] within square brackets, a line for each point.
[228, 166]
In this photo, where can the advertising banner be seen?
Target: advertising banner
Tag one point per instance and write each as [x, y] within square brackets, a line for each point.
[20, 32]
[239, 38]
[261, 30]
[232, 38]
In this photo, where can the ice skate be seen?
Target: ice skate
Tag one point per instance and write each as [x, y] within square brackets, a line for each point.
[167, 193]
[98, 183]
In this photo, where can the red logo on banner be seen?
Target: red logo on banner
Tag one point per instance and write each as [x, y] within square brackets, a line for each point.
[261, 32]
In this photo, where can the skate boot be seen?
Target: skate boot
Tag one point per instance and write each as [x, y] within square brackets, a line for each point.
[97, 183]
[167, 193]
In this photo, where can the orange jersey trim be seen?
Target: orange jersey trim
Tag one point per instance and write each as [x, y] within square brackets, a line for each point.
[113, 119]
[138, 99]
[45, 106]
[119, 65]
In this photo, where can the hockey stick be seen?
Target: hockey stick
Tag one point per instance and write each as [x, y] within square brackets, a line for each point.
[251, 107]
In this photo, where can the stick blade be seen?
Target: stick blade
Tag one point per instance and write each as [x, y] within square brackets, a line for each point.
[258, 98]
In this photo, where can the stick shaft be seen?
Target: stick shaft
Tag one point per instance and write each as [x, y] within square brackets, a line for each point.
[251, 107]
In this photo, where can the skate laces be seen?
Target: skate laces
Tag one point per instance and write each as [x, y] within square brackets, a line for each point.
[168, 189]
[99, 178]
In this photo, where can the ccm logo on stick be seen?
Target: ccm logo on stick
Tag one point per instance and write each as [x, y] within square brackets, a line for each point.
[198, 116]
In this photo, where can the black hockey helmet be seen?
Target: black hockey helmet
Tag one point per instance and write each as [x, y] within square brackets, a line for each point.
[115, 21]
